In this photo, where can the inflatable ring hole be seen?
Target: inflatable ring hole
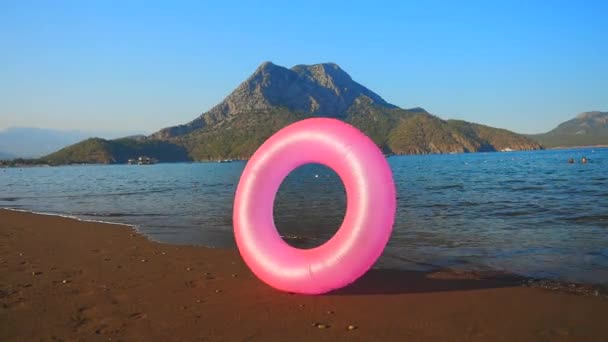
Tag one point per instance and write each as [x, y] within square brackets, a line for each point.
[309, 206]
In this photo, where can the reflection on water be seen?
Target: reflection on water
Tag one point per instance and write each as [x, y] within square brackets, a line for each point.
[530, 213]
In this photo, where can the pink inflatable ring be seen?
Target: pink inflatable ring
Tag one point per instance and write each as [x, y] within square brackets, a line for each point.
[367, 225]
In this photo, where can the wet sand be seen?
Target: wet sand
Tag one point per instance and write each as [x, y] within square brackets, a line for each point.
[63, 279]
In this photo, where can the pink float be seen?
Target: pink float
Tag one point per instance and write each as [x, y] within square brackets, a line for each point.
[367, 225]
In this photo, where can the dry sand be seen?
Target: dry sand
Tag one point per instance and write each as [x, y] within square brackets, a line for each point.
[62, 279]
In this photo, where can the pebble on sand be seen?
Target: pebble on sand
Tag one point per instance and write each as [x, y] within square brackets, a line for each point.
[320, 325]
[64, 281]
[144, 260]
[351, 327]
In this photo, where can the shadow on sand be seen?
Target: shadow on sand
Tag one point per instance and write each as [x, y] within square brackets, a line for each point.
[384, 282]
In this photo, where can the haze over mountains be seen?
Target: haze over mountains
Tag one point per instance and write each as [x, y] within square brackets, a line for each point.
[6, 156]
[273, 97]
[28, 142]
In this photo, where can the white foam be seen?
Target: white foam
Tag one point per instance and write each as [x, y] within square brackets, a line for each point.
[132, 226]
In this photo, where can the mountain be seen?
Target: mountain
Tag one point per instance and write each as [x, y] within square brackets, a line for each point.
[319, 90]
[586, 129]
[274, 96]
[28, 142]
[101, 151]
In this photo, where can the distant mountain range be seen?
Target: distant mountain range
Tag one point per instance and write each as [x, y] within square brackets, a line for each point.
[586, 129]
[6, 156]
[273, 97]
[27, 142]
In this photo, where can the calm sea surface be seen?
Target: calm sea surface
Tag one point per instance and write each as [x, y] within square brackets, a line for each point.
[529, 213]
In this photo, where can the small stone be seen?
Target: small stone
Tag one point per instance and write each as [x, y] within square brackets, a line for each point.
[596, 293]
[301, 305]
[188, 269]
[351, 327]
[330, 312]
[234, 275]
[163, 253]
[198, 300]
[218, 291]
[64, 281]
[35, 273]
[144, 260]
[322, 326]
[20, 254]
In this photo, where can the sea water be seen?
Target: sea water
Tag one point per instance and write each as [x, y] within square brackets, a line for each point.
[527, 213]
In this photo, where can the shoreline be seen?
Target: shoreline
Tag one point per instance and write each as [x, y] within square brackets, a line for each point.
[65, 279]
[590, 289]
[6, 164]
[575, 147]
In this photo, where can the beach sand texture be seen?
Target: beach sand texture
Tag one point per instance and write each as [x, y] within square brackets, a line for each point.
[63, 279]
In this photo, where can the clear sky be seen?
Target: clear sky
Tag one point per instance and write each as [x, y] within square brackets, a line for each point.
[127, 65]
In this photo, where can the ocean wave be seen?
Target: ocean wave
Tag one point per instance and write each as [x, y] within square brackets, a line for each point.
[87, 195]
[90, 214]
[10, 199]
[587, 218]
[515, 213]
[445, 187]
[528, 188]
[73, 217]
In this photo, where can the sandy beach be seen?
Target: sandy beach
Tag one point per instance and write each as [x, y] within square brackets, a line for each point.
[65, 280]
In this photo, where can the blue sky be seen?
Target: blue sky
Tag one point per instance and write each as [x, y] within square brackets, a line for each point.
[128, 65]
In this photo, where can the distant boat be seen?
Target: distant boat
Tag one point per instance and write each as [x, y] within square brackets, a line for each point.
[507, 150]
[143, 160]
[225, 161]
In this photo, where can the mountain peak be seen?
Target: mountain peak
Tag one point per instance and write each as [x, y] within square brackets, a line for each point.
[322, 89]
[324, 67]
[266, 66]
[591, 114]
